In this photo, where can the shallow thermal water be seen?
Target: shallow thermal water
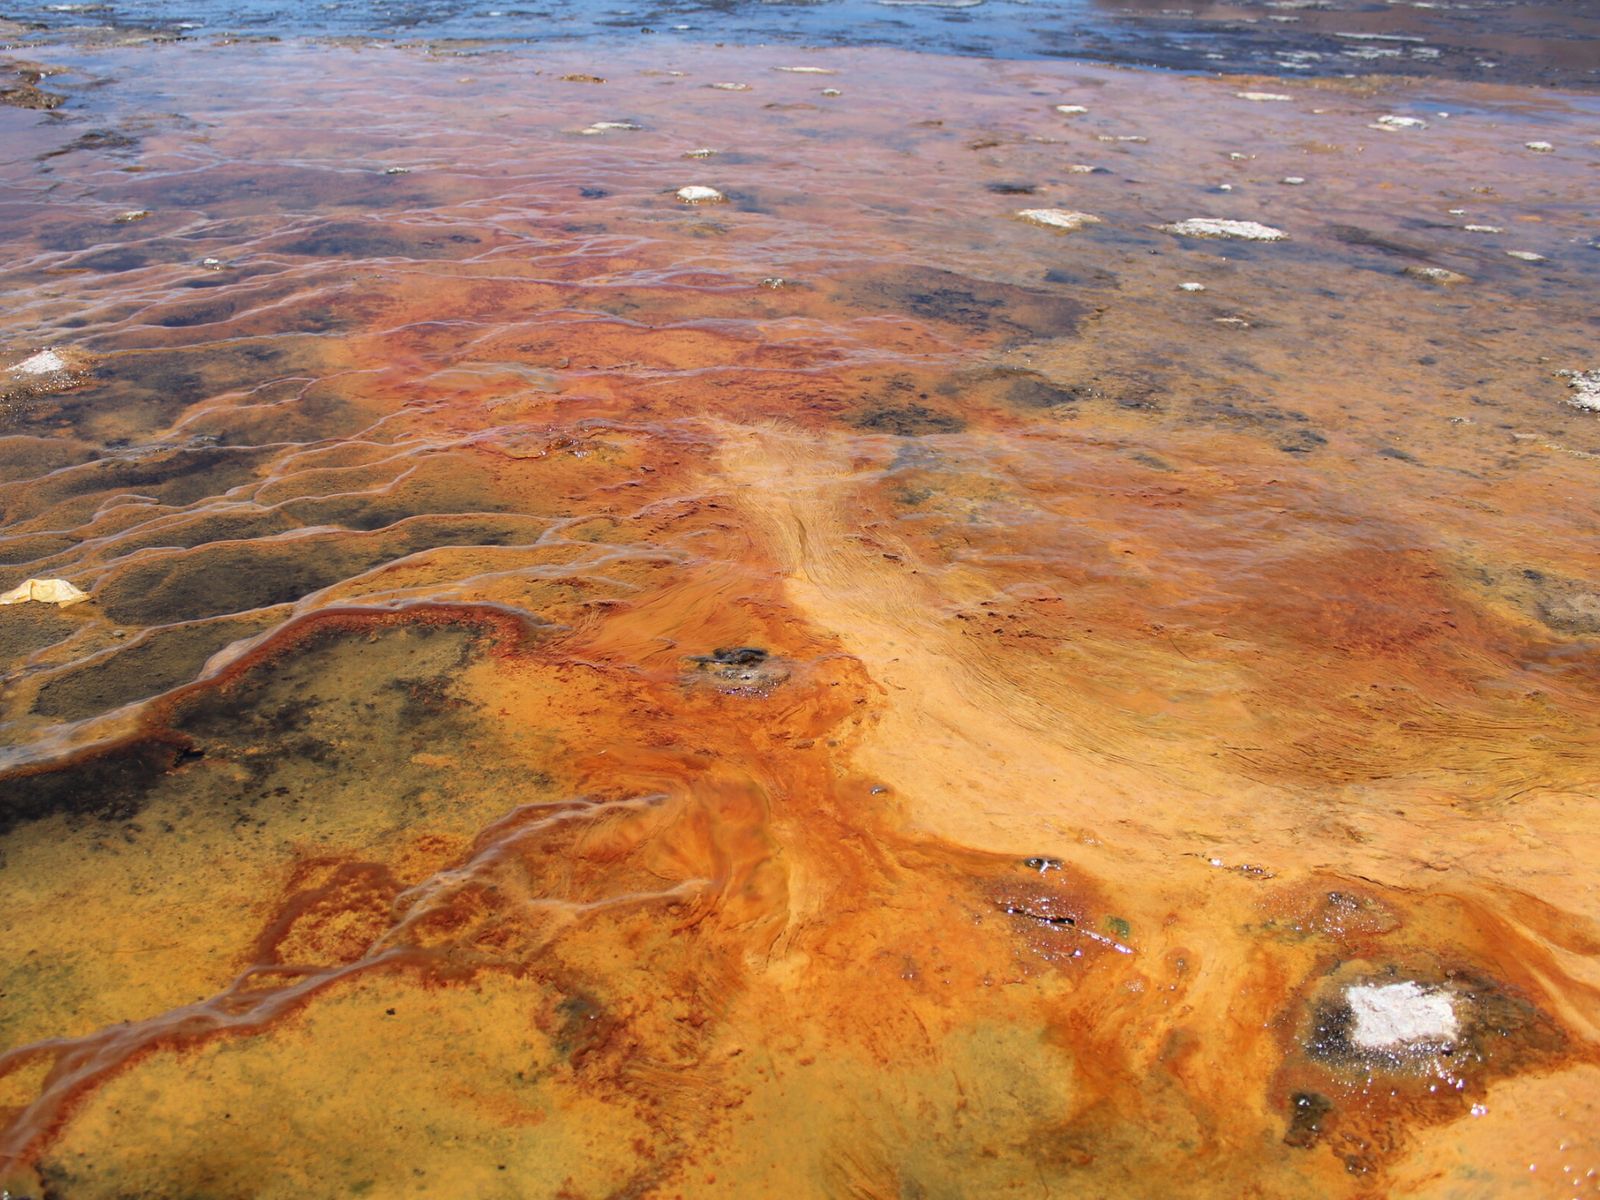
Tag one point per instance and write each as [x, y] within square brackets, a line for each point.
[842, 691]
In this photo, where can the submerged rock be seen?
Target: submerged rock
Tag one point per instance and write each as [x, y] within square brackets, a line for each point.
[1435, 275]
[609, 127]
[1214, 227]
[1526, 256]
[700, 194]
[1058, 218]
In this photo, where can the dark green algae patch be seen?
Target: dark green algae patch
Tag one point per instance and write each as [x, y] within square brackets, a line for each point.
[324, 693]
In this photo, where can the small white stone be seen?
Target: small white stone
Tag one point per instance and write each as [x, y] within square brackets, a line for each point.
[133, 214]
[1458, 212]
[46, 362]
[701, 152]
[1293, 180]
[397, 170]
[1058, 218]
[1262, 96]
[699, 194]
[1191, 286]
[1213, 227]
[609, 126]
[1539, 147]
[1392, 123]
[807, 70]
[1393, 1015]
[1483, 229]
[830, 92]
[1224, 187]
[1080, 169]
[1526, 255]
[731, 87]
[1071, 110]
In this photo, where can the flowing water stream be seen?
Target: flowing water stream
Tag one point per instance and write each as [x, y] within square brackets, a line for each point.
[838, 690]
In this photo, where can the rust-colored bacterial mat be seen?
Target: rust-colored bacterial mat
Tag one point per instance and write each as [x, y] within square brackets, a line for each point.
[1033, 633]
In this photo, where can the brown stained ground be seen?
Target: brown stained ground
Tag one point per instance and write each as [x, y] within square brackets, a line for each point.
[837, 693]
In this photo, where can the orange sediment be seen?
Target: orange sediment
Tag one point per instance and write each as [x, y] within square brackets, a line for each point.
[835, 693]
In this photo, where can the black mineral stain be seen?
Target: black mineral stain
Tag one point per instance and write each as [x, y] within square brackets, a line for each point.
[908, 420]
[1308, 1112]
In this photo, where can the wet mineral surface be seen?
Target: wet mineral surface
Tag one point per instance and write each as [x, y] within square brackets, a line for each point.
[845, 690]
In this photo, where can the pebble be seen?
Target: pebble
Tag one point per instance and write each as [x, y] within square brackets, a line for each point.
[1071, 110]
[699, 194]
[1213, 227]
[1435, 275]
[1393, 123]
[397, 170]
[133, 214]
[1058, 218]
[1526, 256]
[1293, 180]
[1081, 169]
[702, 152]
[1262, 96]
[1191, 286]
[1540, 147]
[1483, 229]
[807, 70]
[608, 126]
[581, 79]
[730, 87]
[832, 92]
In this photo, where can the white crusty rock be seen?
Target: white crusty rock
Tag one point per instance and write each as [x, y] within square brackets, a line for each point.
[1585, 387]
[46, 362]
[609, 127]
[1216, 227]
[45, 591]
[1392, 1016]
[1262, 96]
[697, 193]
[1058, 218]
[1393, 124]
[1526, 256]
[1191, 286]
[1540, 147]
[807, 70]
[1071, 110]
